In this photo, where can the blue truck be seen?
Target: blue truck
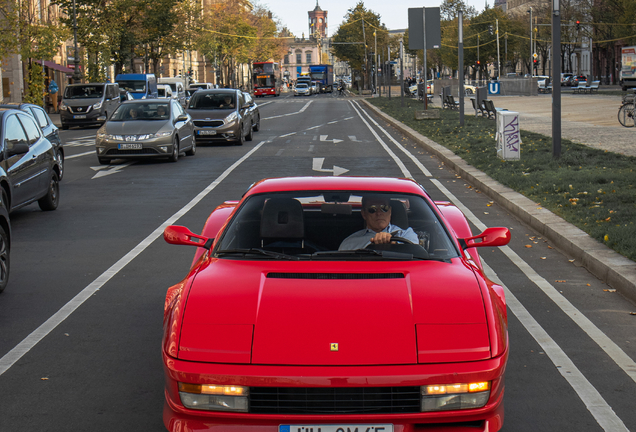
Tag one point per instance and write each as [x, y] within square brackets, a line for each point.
[324, 75]
[140, 86]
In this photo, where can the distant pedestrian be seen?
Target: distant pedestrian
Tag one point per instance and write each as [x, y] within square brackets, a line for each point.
[53, 89]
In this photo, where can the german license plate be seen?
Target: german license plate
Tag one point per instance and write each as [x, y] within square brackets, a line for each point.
[129, 146]
[206, 132]
[79, 117]
[337, 428]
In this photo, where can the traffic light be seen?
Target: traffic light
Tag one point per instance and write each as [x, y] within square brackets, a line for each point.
[478, 63]
[190, 72]
[578, 26]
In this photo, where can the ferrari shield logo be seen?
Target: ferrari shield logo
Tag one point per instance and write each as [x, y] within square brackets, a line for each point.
[334, 347]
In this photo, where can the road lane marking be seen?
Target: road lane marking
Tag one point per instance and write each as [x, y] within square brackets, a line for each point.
[290, 114]
[422, 168]
[405, 172]
[79, 155]
[10, 358]
[289, 134]
[317, 166]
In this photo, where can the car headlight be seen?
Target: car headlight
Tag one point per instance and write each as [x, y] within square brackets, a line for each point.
[214, 397]
[232, 117]
[162, 134]
[97, 106]
[63, 106]
[455, 396]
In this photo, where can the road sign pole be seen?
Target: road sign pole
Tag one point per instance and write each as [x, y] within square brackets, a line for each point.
[461, 67]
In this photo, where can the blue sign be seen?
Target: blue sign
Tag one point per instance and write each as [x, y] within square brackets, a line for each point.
[493, 88]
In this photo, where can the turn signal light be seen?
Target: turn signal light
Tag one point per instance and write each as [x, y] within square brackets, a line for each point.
[211, 389]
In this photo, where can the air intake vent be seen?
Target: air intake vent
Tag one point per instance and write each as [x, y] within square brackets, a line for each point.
[358, 400]
[335, 275]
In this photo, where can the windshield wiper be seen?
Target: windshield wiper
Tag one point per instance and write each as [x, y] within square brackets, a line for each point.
[258, 251]
[365, 252]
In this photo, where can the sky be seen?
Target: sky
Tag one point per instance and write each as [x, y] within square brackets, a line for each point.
[393, 13]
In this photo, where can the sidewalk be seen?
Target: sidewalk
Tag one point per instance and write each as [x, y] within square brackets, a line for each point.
[612, 268]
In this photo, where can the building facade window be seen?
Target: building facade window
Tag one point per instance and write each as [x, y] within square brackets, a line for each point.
[299, 58]
[308, 56]
[286, 59]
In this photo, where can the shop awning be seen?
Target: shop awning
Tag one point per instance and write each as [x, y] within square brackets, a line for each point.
[53, 65]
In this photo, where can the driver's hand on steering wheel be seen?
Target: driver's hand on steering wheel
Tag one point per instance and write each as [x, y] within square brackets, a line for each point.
[382, 238]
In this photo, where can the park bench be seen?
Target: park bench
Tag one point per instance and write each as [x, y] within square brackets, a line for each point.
[593, 87]
[581, 87]
[479, 110]
[451, 102]
[490, 108]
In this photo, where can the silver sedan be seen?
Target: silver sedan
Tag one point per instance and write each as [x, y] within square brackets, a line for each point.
[148, 128]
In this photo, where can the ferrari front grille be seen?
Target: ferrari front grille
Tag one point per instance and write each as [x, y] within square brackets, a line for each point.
[338, 400]
[335, 275]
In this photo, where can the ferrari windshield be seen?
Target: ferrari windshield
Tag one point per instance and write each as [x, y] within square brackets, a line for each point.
[335, 226]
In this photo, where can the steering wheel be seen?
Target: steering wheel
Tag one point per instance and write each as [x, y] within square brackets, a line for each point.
[401, 240]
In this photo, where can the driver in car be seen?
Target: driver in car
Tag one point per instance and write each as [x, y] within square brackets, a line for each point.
[376, 212]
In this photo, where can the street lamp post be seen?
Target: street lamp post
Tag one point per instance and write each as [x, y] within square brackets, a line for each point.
[531, 56]
[77, 76]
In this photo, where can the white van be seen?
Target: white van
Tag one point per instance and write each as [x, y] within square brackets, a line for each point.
[177, 87]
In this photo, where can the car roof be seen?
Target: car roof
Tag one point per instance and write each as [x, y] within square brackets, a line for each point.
[371, 184]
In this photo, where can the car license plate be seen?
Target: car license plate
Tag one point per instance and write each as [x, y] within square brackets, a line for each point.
[78, 117]
[129, 146]
[206, 132]
[337, 428]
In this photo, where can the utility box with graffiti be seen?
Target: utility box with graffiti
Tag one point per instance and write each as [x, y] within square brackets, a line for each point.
[508, 135]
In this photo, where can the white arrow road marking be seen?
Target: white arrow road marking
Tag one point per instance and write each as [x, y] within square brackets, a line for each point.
[317, 166]
[115, 169]
[324, 138]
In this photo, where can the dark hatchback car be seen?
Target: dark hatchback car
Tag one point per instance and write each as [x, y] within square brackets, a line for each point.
[221, 115]
[29, 170]
[50, 131]
[5, 247]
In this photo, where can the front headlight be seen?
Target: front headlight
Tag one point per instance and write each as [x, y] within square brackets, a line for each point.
[97, 106]
[455, 396]
[232, 117]
[63, 106]
[162, 134]
[214, 397]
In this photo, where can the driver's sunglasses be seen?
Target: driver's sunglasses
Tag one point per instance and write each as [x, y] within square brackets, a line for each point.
[384, 207]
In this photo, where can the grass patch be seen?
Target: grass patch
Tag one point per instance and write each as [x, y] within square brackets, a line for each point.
[590, 188]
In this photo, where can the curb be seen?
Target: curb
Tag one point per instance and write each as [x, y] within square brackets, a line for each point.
[609, 266]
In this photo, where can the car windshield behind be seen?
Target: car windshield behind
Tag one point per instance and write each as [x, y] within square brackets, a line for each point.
[313, 226]
[142, 111]
[84, 92]
[133, 86]
[204, 100]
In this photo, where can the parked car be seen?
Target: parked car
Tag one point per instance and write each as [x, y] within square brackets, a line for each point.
[302, 89]
[221, 115]
[49, 130]
[277, 326]
[5, 248]
[150, 128]
[88, 104]
[564, 78]
[254, 112]
[577, 79]
[29, 168]
[164, 91]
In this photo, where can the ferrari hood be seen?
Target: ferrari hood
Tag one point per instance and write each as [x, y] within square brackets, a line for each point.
[340, 313]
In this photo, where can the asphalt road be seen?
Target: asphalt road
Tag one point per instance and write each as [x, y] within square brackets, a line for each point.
[80, 322]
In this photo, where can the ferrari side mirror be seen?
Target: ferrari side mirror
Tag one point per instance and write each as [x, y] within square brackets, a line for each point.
[491, 237]
[180, 235]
